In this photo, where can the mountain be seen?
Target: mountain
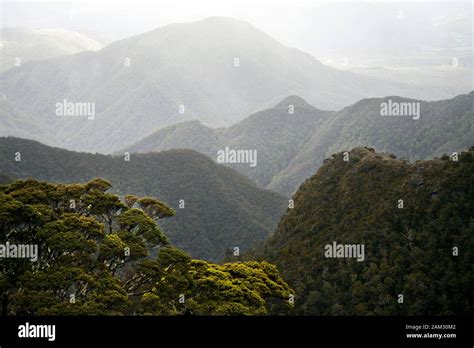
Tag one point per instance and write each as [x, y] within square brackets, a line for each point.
[291, 147]
[222, 208]
[12, 121]
[185, 135]
[30, 44]
[216, 70]
[277, 134]
[444, 126]
[421, 249]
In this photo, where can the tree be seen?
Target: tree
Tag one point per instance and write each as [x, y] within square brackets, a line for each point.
[99, 255]
[182, 285]
[85, 236]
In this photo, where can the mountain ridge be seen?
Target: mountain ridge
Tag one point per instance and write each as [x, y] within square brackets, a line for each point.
[411, 218]
[289, 157]
[32, 44]
[276, 134]
[217, 71]
[445, 126]
[222, 208]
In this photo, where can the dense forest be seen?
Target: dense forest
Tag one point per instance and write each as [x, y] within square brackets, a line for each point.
[109, 253]
[102, 255]
[298, 161]
[443, 126]
[217, 209]
[415, 221]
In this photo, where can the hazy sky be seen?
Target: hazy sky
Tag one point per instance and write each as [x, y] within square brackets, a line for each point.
[318, 27]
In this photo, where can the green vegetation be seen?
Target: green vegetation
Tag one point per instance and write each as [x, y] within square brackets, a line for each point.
[276, 134]
[95, 258]
[444, 126]
[291, 147]
[222, 209]
[408, 251]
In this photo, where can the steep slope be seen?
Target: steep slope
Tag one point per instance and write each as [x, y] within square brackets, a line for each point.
[36, 44]
[222, 209]
[216, 70]
[407, 251]
[444, 126]
[185, 135]
[15, 122]
[277, 134]
[291, 147]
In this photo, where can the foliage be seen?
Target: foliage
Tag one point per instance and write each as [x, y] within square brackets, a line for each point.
[408, 251]
[277, 135]
[95, 258]
[291, 147]
[444, 126]
[222, 209]
[186, 286]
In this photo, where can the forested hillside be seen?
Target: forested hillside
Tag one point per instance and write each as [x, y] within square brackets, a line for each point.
[277, 134]
[292, 146]
[220, 208]
[415, 221]
[443, 126]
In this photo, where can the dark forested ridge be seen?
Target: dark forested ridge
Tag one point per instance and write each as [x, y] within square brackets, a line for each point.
[421, 249]
[222, 208]
[443, 126]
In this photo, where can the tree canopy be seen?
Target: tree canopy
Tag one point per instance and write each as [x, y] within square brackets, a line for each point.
[415, 221]
[99, 254]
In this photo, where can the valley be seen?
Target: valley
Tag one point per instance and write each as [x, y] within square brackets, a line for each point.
[277, 159]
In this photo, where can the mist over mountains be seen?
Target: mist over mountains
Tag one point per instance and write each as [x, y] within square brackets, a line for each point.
[377, 154]
[276, 134]
[292, 146]
[217, 70]
[20, 45]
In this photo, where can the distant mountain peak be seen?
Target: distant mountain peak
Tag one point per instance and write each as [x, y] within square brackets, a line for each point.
[217, 25]
[293, 100]
[223, 19]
